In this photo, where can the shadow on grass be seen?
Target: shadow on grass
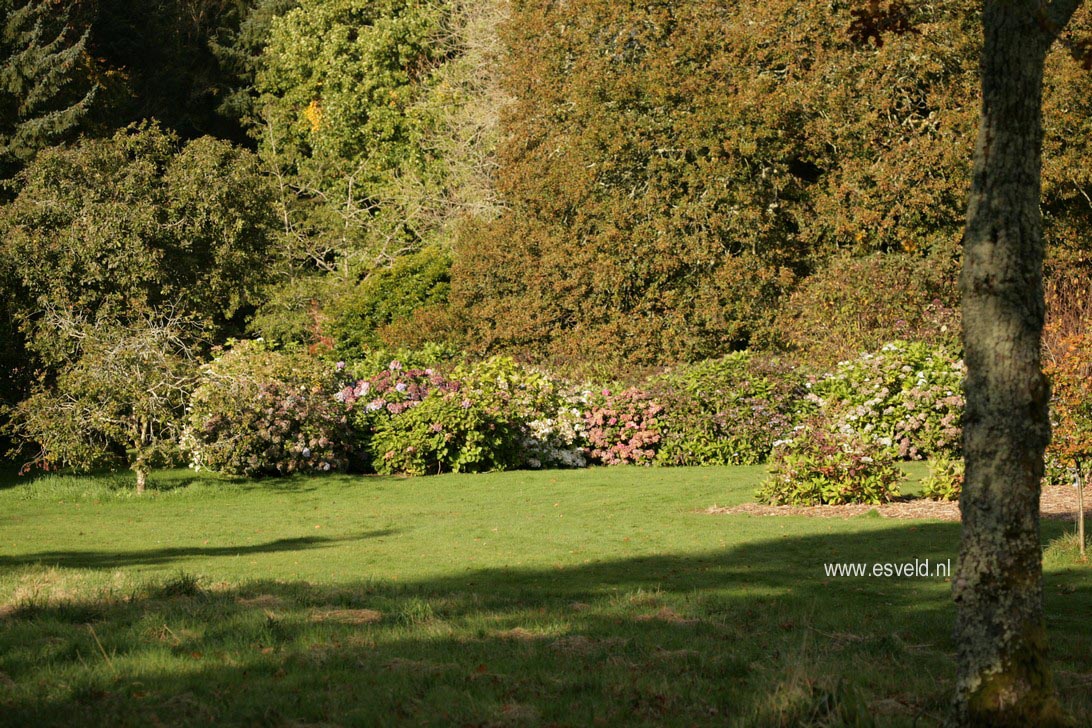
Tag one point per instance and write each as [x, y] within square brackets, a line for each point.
[100, 480]
[68, 483]
[751, 635]
[118, 559]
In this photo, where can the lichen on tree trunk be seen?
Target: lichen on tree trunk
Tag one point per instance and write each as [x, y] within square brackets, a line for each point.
[1003, 677]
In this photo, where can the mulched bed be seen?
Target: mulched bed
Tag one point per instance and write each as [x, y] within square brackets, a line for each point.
[1057, 502]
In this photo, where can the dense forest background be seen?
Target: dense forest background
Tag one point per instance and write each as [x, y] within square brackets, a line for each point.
[590, 184]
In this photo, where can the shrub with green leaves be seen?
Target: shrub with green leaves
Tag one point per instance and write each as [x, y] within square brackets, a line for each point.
[906, 396]
[262, 412]
[727, 411]
[548, 413]
[385, 296]
[822, 463]
[491, 415]
[446, 432]
[831, 316]
[438, 357]
[389, 393]
[945, 479]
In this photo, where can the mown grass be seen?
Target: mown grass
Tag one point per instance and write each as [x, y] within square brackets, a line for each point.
[603, 596]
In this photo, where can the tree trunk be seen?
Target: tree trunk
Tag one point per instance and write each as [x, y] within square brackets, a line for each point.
[141, 478]
[1080, 480]
[1003, 676]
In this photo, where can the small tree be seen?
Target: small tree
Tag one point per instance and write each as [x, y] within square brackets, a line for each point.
[123, 398]
[1070, 371]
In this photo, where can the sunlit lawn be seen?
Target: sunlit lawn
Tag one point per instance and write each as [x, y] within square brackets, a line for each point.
[603, 596]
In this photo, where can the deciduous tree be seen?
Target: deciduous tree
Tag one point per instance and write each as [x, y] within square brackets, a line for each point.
[116, 228]
[124, 397]
[1003, 675]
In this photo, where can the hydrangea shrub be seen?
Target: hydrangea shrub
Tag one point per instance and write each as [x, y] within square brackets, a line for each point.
[822, 463]
[907, 396]
[727, 411]
[495, 414]
[445, 432]
[623, 427]
[548, 413]
[945, 479]
[257, 412]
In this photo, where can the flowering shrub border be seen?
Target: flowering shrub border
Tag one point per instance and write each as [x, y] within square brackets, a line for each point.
[304, 414]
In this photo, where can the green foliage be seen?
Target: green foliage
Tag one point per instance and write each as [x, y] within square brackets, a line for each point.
[446, 432]
[337, 83]
[726, 411]
[1067, 129]
[46, 89]
[290, 309]
[120, 227]
[384, 296]
[906, 396]
[262, 412]
[238, 49]
[822, 463]
[430, 356]
[124, 399]
[945, 479]
[388, 393]
[490, 415]
[548, 414]
[671, 170]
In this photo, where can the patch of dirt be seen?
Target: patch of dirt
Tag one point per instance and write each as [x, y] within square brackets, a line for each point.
[667, 614]
[675, 654]
[1057, 502]
[265, 601]
[399, 663]
[6, 610]
[520, 713]
[576, 644]
[347, 616]
[519, 634]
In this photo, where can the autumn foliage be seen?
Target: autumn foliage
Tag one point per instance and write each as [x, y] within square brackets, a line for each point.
[1069, 365]
[673, 171]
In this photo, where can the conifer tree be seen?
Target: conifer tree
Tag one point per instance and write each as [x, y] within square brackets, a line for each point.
[45, 86]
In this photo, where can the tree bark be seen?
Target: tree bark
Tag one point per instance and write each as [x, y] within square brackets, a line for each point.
[1003, 676]
[141, 478]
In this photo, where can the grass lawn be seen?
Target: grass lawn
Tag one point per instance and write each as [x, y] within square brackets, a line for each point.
[596, 597]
